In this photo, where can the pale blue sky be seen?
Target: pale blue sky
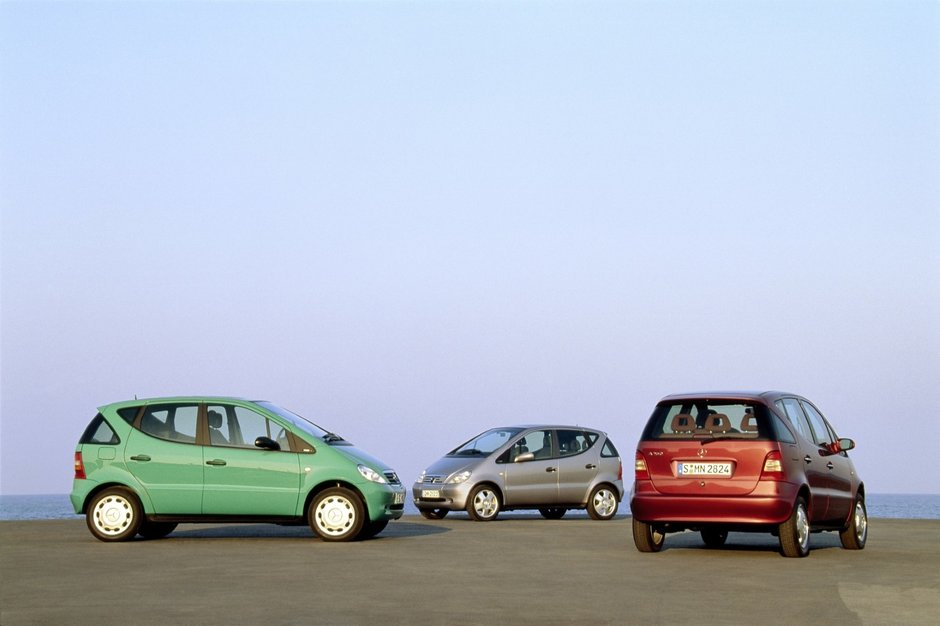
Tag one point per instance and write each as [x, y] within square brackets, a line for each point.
[413, 221]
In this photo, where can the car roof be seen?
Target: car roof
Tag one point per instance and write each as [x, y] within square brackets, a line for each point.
[555, 426]
[171, 399]
[757, 396]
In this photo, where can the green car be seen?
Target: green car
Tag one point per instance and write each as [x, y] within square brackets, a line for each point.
[144, 466]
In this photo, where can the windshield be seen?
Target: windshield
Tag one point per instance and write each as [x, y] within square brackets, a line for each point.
[486, 443]
[304, 424]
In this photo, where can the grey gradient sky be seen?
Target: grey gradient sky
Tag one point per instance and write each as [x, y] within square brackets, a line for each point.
[411, 221]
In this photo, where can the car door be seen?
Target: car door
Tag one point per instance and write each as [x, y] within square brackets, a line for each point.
[240, 478]
[817, 474]
[839, 467]
[533, 482]
[577, 466]
[161, 452]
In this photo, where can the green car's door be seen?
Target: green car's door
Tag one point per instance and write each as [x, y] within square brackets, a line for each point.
[164, 457]
[240, 478]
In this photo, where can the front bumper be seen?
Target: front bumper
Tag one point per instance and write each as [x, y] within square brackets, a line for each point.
[385, 502]
[441, 496]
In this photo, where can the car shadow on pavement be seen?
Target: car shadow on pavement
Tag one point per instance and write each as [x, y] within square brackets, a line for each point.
[746, 542]
[274, 531]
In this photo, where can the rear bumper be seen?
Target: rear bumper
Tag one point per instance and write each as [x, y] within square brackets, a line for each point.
[771, 502]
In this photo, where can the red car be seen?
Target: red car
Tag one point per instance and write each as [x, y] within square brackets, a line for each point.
[745, 461]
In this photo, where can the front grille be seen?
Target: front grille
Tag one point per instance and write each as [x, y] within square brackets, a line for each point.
[392, 478]
[433, 480]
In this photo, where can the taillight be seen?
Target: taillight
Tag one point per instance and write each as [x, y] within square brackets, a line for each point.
[642, 472]
[773, 466]
[79, 467]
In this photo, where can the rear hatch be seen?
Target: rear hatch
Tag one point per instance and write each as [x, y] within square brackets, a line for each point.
[707, 447]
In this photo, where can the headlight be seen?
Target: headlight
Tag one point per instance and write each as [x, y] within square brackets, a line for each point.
[456, 479]
[421, 477]
[370, 474]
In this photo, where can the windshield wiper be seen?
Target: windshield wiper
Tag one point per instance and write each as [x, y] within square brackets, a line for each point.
[332, 437]
[719, 438]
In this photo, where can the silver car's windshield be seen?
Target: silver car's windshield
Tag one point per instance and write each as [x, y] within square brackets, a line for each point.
[486, 443]
[304, 424]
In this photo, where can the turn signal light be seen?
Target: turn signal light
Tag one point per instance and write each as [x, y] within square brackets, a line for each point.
[773, 466]
[79, 467]
[642, 472]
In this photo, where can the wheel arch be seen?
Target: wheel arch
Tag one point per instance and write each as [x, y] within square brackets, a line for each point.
[141, 498]
[330, 484]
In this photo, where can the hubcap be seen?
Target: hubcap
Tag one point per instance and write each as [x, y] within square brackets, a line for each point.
[335, 515]
[802, 528]
[485, 503]
[605, 503]
[112, 515]
[861, 522]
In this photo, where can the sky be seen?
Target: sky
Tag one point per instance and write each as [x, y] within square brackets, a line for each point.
[413, 221]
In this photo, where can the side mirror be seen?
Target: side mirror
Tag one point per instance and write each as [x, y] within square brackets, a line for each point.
[525, 456]
[266, 443]
[845, 445]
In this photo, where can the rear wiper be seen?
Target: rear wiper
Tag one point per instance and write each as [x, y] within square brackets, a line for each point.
[331, 437]
[719, 438]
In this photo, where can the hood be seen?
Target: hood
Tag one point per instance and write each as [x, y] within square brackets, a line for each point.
[447, 465]
[360, 456]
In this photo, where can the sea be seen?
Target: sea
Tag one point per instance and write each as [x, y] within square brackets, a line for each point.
[895, 506]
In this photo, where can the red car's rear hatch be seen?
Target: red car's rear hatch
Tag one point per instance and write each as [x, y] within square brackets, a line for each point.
[697, 468]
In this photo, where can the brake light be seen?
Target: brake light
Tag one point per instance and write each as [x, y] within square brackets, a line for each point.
[79, 467]
[641, 471]
[773, 466]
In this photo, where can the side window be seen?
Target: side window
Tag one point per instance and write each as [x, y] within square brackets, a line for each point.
[129, 414]
[540, 444]
[609, 450]
[818, 422]
[176, 422]
[100, 432]
[794, 413]
[239, 427]
[571, 442]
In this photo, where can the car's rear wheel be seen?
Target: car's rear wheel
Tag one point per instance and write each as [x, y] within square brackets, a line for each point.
[602, 504]
[434, 513]
[156, 530]
[794, 533]
[483, 504]
[714, 537]
[336, 514]
[114, 514]
[855, 534]
[554, 512]
[646, 537]
[371, 529]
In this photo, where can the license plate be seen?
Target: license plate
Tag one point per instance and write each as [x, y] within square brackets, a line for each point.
[430, 493]
[704, 469]
[399, 497]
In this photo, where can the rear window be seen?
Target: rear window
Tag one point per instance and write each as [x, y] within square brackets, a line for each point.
[710, 419]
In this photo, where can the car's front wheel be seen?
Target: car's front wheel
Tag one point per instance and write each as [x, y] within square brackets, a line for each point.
[553, 512]
[483, 504]
[646, 537]
[336, 514]
[713, 537]
[602, 505]
[114, 514]
[794, 533]
[434, 513]
[855, 534]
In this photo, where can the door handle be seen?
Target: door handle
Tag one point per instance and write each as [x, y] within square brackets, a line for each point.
[551, 469]
[830, 465]
[140, 457]
[590, 466]
[808, 459]
[215, 462]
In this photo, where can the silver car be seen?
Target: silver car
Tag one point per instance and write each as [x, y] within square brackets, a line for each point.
[549, 468]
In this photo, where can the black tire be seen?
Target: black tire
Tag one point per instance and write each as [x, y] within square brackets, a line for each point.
[114, 514]
[855, 535]
[554, 512]
[603, 503]
[794, 533]
[336, 514]
[714, 537]
[371, 529]
[647, 538]
[156, 530]
[484, 503]
[434, 513]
